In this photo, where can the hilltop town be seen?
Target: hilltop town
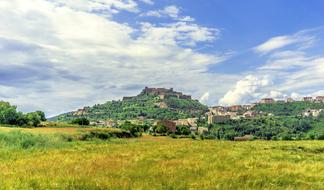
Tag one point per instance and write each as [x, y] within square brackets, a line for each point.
[175, 110]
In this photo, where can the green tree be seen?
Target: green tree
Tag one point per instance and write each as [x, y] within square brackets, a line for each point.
[81, 121]
[33, 119]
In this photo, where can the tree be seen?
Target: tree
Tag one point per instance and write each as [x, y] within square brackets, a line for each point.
[81, 121]
[161, 129]
[42, 115]
[33, 119]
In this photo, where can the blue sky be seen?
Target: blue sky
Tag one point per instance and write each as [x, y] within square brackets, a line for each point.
[59, 55]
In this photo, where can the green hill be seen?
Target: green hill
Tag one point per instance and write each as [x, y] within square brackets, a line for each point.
[151, 103]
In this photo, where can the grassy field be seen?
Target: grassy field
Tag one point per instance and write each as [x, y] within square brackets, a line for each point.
[161, 163]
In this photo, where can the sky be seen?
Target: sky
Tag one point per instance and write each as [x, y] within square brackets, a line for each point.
[60, 55]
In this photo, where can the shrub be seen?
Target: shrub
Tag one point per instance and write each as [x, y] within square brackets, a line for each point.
[320, 137]
[81, 121]
[286, 137]
[172, 135]
[192, 136]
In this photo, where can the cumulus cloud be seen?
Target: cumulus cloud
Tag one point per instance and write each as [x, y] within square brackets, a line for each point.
[247, 90]
[58, 56]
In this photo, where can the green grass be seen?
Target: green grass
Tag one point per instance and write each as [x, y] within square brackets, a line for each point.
[163, 163]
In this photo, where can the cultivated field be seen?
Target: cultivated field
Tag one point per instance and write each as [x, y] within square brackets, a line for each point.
[158, 163]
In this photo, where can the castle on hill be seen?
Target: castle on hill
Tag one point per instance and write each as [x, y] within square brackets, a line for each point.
[162, 93]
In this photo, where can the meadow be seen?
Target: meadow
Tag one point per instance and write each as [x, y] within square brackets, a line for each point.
[50, 160]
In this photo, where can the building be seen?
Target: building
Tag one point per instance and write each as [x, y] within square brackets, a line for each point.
[202, 130]
[247, 107]
[319, 99]
[170, 125]
[218, 118]
[187, 122]
[312, 112]
[164, 93]
[235, 108]
[308, 99]
[290, 100]
[250, 114]
[267, 101]
[281, 101]
[101, 123]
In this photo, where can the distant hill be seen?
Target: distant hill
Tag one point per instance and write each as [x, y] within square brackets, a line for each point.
[151, 103]
[288, 109]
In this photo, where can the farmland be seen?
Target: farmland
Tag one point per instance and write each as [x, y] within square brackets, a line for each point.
[157, 163]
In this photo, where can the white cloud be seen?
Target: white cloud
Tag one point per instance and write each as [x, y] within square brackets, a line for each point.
[60, 57]
[150, 2]
[247, 90]
[282, 41]
[171, 11]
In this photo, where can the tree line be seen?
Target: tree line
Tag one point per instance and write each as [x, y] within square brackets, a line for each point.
[9, 115]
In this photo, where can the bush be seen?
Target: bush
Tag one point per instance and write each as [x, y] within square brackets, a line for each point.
[172, 135]
[320, 137]
[81, 121]
[192, 136]
[135, 130]
[286, 137]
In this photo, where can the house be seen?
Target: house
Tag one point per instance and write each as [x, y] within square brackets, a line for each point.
[202, 130]
[267, 101]
[319, 99]
[312, 112]
[308, 99]
[250, 114]
[290, 100]
[247, 107]
[187, 122]
[101, 123]
[170, 125]
[217, 109]
[235, 108]
[218, 118]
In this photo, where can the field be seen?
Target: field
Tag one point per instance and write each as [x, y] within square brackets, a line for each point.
[158, 163]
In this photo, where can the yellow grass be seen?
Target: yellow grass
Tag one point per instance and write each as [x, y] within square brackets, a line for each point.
[165, 163]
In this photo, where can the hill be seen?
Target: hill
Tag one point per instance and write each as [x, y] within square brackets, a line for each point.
[151, 103]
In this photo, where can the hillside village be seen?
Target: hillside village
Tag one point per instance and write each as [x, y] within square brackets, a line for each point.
[215, 115]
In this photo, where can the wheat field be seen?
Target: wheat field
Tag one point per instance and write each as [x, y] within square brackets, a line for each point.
[165, 163]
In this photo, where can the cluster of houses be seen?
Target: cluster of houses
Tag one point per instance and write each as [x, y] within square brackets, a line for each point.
[221, 114]
[191, 123]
